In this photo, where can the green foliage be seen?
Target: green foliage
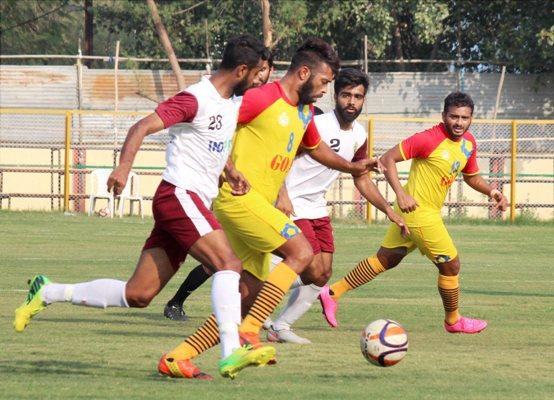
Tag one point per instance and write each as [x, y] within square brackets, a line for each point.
[519, 32]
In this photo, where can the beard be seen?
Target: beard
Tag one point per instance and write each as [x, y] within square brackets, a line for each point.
[306, 94]
[347, 117]
[241, 87]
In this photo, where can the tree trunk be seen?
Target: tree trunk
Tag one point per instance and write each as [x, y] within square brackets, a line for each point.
[266, 24]
[397, 37]
[164, 38]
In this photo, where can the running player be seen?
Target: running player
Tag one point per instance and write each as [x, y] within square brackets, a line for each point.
[438, 155]
[304, 197]
[274, 120]
[203, 119]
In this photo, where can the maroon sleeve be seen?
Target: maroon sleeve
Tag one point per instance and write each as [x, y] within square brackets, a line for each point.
[361, 153]
[180, 108]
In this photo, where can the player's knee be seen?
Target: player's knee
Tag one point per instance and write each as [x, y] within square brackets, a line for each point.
[138, 300]
[304, 257]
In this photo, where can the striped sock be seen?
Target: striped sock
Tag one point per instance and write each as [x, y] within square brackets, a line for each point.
[449, 290]
[365, 271]
[272, 292]
[204, 338]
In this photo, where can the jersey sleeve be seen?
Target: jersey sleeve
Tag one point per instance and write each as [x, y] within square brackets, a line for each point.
[361, 153]
[471, 167]
[311, 138]
[180, 108]
[255, 101]
[419, 145]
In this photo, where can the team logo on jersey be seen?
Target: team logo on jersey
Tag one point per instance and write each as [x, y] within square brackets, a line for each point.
[465, 150]
[305, 118]
[445, 155]
[290, 231]
[283, 119]
[455, 167]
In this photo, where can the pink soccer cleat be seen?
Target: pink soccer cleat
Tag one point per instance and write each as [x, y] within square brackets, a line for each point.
[466, 325]
[329, 306]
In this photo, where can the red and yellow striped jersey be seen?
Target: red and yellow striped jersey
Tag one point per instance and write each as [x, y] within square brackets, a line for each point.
[270, 130]
[437, 160]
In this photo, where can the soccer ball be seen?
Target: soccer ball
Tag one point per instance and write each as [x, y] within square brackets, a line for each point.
[384, 342]
[104, 212]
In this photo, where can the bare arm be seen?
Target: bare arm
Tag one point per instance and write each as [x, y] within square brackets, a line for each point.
[146, 126]
[283, 203]
[479, 184]
[324, 155]
[369, 191]
[406, 202]
[235, 179]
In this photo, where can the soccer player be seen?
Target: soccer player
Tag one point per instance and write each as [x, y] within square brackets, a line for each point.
[203, 119]
[438, 155]
[303, 197]
[274, 120]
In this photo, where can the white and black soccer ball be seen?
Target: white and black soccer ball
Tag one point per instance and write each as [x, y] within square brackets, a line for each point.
[384, 342]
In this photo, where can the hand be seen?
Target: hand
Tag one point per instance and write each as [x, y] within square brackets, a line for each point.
[501, 200]
[237, 181]
[406, 203]
[284, 205]
[118, 179]
[397, 219]
[366, 165]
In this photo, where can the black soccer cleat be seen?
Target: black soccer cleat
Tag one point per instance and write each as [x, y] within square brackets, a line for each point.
[175, 312]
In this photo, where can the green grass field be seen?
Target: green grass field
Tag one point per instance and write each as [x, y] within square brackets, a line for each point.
[76, 352]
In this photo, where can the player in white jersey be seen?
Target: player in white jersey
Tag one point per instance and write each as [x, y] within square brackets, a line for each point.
[202, 121]
[303, 197]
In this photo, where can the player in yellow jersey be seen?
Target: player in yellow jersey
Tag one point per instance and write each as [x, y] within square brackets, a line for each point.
[438, 155]
[274, 120]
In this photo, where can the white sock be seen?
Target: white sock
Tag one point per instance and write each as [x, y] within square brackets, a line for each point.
[56, 292]
[226, 307]
[100, 293]
[297, 283]
[300, 301]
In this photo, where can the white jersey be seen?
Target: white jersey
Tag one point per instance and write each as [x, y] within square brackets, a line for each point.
[308, 180]
[200, 142]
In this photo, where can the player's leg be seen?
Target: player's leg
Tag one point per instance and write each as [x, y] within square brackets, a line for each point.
[151, 274]
[297, 254]
[174, 307]
[434, 241]
[393, 249]
[177, 363]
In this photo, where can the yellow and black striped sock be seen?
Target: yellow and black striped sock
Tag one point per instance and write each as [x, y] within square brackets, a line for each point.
[365, 271]
[204, 338]
[449, 290]
[272, 292]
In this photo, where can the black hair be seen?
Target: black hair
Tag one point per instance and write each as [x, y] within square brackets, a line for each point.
[314, 51]
[243, 49]
[350, 77]
[269, 58]
[458, 99]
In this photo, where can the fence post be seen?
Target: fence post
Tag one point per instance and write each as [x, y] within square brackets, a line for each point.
[66, 177]
[513, 173]
[370, 128]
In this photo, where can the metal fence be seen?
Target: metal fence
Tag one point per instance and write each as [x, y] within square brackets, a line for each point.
[46, 156]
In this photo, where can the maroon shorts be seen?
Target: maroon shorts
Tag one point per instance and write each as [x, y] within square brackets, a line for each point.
[319, 233]
[181, 218]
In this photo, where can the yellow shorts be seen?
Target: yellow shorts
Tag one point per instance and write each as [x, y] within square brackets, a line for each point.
[432, 240]
[254, 227]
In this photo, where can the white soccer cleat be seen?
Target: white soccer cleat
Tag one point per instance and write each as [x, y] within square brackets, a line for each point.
[285, 336]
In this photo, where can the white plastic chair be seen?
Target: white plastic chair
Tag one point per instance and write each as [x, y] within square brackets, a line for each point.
[131, 192]
[99, 190]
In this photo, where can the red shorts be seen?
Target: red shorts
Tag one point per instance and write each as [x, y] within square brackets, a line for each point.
[181, 218]
[319, 233]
